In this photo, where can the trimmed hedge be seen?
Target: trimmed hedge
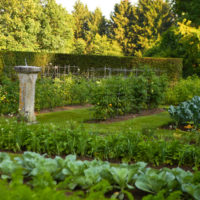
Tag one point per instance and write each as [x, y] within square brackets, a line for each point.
[172, 66]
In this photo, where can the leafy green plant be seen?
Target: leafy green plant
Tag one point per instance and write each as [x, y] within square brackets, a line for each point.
[74, 139]
[162, 196]
[183, 90]
[118, 95]
[153, 181]
[188, 111]
[50, 93]
[60, 175]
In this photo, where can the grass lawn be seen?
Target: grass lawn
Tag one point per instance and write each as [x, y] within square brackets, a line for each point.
[81, 115]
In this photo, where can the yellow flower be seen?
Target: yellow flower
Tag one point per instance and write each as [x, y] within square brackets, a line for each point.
[188, 126]
[110, 105]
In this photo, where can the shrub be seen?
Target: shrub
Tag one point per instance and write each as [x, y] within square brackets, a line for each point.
[183, 90]
[118, 96]
[50, 93]
[9, 95]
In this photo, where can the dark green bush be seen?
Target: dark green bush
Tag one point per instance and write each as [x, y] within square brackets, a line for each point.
[118, 95]
[183, 90]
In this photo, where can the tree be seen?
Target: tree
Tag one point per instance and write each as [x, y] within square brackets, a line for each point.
[189, 9]
[120, 20]
[19, 24]
[150, 19]
[56, 33]
[181, 41]
[81, 17]
[190, 41]
[101, 45]
[35, 25]
[79, 46]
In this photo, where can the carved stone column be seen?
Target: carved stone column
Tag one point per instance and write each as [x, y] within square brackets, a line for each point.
[27, 78]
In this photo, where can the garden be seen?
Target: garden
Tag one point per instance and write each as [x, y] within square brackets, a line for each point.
[112, 112]
[133, 137]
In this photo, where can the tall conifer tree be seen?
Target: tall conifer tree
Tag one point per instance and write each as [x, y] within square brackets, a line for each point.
[81, 17]
[120, 20]
[150, 19]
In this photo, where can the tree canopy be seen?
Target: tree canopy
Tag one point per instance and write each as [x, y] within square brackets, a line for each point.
[150, 27]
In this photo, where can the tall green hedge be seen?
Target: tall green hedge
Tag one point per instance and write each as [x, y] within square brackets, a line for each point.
[172, 66]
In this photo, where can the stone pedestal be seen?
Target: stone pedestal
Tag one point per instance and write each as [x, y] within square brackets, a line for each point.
[27, 77]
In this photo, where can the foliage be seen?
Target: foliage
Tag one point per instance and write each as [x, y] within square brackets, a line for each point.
[137, 27]
[35, 25]
[183, 90]
[56, 32]
[162, 196]
[118, 96]
[182, 41]
[16, 189]
[188, 111]
[120, 20]
[19, 24]
[79, 46]
[153, 181]
[150, 20]
[50, 93]
[94, 176]
[190, 41]
[71, 138]
[9, 95]
[188, 9]
[171, 66]
[81, 17]
[100, 45]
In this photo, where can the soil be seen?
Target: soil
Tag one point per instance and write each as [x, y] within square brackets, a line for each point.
[127, 116]
[70, 107]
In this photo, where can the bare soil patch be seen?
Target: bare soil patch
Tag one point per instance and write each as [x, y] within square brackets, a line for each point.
[127, 116]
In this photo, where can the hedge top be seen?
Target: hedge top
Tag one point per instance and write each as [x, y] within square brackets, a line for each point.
[9, 59]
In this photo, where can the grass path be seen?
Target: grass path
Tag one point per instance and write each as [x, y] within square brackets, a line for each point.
[81, 115]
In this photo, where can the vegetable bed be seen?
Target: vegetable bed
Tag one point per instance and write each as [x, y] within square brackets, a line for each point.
[93, 178]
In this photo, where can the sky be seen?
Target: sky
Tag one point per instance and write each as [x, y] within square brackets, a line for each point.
[106, 6]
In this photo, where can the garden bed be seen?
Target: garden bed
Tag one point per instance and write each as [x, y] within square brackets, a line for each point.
[96, 178]
[127, 116]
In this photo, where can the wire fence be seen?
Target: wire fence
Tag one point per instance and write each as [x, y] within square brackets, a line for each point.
[104, 72]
